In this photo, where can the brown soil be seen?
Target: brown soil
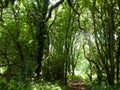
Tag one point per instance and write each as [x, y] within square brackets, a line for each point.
[76, 85]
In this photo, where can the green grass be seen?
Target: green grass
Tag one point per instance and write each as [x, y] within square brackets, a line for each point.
[78, 77]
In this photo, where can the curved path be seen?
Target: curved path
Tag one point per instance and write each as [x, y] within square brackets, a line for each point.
[77, 85]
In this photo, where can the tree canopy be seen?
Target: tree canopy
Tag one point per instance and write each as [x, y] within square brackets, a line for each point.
[42, 40]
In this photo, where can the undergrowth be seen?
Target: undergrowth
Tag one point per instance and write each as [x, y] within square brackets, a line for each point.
[103, 87]
[14, 85]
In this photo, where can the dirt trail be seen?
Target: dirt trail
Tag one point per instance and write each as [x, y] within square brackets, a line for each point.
[76, 85]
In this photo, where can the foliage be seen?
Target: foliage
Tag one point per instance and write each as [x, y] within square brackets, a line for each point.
[103, 87]
[75, 77]
[13, 85]
[41, 40]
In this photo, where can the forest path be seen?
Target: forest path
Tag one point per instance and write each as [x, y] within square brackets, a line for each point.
[77, 85]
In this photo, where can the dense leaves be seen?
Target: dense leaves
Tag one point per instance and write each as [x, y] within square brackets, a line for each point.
[49, 40]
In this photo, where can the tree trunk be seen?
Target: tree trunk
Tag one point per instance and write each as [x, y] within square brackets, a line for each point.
[41, 34]
[111, 42]
[118, 60]
[41, 39]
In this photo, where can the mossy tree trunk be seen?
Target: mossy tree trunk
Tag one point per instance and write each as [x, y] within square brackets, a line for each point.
[41, 34]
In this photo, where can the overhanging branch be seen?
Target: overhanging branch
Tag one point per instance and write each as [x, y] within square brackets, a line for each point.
[51, 9]
[56, 5]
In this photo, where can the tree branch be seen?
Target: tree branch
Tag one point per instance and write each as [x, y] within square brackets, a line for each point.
[70, 4]
[51, 9]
